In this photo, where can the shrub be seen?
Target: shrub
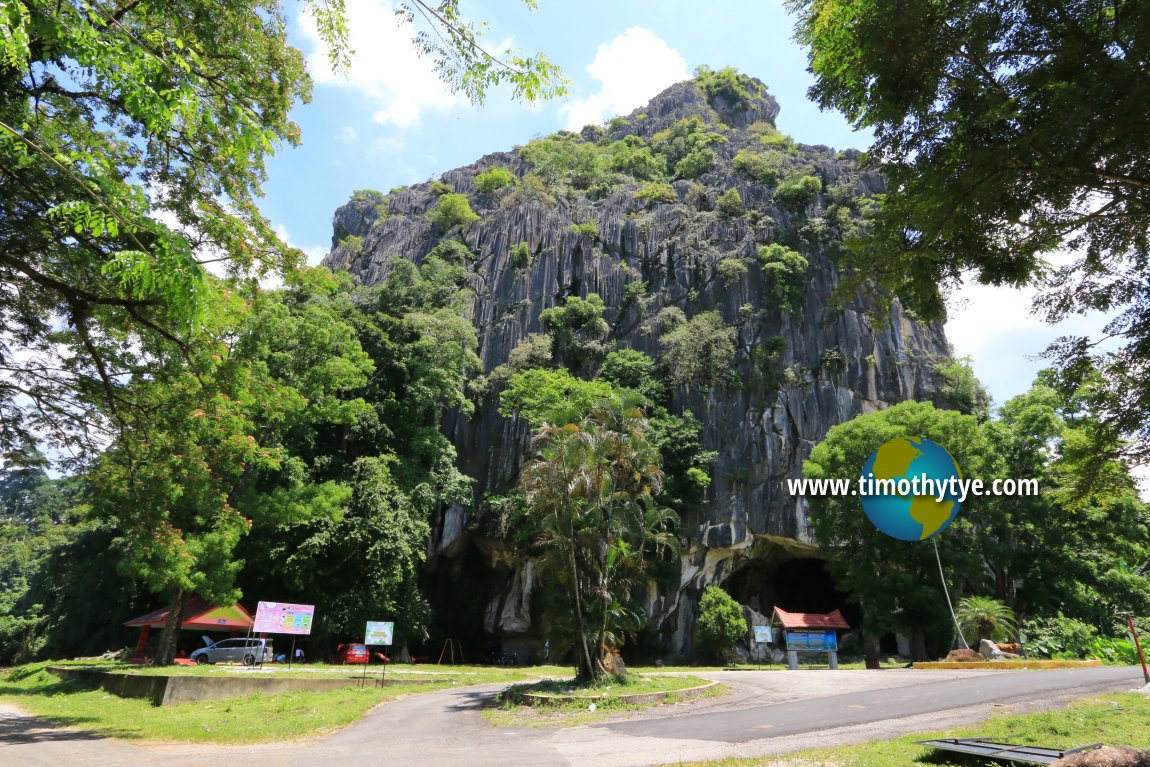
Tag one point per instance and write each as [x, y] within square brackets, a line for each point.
[785, 272]
[798, 191]
[657, 192]
[764, 168]
[352, 244]
[720, 624]
[731, 270]
[493, 179]
[367, 195]
[587, 229]
[699, 350]
[695, 163]
[1058, 636]
[566, 159]
[452, 251]
[985, 618]
[727, 86]
[520, 255]
[631, 369]
[617, 123]
[452, 210]
[632, 155]
[730, 203]
[440, 187]
[634, 291]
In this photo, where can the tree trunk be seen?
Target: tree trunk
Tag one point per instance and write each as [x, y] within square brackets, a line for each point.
[918, 645]
[870, 650]
[586, 670]
[171, 634]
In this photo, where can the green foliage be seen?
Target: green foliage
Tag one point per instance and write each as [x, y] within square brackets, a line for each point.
[699, 351]
[542, 396]
[632, 156]
[578, 328]
[588, 228]
[534, 351]
[984, 176]
[634, 291]
[730, 203]
[961, 389]
[1057, 636]
[798, 190]
[720, 624]
[762, 167]
[695, 163]
[353, 244]
[494, 179]
[891, 578]
[657, 192]
[566, 159]
[770, 137]
[452, 252]
[785, 272]
[458, 51]
[686, 146]
[727, 87]
[985, 618]
[452, 210]
[632, 369]
[521, 255]
[731, 270]
[439, 187]
[591, 486]
[367, 195]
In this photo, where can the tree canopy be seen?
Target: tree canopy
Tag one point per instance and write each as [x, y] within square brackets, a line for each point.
[1007, 132]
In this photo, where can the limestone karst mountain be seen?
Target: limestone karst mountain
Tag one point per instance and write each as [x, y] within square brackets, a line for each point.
[641, 213]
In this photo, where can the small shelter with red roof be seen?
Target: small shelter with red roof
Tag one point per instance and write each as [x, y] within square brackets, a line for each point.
[810, 632]
[199, 615]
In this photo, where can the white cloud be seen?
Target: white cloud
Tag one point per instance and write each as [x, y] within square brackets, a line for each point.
[385, 66]
[632, 68]
[347, 135]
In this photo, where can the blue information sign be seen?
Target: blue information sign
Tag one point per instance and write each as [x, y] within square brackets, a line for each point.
[812, 641]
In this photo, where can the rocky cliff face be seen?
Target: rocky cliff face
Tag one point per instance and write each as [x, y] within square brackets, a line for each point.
[837, 357]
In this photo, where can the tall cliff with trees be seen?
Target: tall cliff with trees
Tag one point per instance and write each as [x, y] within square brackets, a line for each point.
[688, 251]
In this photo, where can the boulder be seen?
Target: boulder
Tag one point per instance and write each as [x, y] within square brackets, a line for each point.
[1107, 756]
[964, 656]
[613, 664]
[990, 650]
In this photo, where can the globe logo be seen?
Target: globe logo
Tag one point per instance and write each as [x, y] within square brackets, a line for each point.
[909, 488]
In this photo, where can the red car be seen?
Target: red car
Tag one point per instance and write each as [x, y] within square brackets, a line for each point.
[352, 653]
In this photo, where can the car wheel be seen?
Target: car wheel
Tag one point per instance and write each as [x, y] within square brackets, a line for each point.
[249, 660]
[202, 659]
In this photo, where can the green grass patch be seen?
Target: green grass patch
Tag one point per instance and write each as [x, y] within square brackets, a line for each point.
[1120, 719]
[510, 709]
[250, 719]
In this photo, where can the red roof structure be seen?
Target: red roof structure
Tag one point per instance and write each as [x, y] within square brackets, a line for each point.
[199, 615]
[831, 620]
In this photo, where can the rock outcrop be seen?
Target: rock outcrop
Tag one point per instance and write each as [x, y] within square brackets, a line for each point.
[797, 370]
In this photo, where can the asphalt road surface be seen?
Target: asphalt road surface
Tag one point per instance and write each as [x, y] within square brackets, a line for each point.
[776, 720]
[767, 712]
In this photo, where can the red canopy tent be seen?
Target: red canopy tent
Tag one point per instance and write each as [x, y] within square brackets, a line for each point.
[199, 615]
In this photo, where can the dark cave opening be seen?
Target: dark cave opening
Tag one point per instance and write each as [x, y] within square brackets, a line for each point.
[796, 585]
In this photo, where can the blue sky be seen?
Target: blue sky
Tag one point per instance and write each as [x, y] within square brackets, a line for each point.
[389, 122]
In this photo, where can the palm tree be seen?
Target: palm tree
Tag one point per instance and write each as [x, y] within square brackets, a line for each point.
[987, 617]
[592, 485]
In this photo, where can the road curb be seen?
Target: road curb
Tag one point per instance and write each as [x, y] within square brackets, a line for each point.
[538, 700]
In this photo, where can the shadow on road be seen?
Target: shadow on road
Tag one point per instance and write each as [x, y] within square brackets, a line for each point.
[18, 728]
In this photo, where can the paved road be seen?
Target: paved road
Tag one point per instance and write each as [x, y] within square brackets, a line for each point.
[769, 712]
[777, 719]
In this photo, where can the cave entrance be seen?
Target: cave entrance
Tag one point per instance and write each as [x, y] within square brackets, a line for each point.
[796, 584]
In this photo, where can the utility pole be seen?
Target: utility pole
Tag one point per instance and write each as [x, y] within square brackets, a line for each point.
[1137, 645]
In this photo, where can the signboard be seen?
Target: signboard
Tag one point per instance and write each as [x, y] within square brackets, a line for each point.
[379, 633]
[283, 618]
[812, 641]
[764, 635]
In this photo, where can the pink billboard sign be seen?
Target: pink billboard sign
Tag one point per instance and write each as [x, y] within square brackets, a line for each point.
[283, 618]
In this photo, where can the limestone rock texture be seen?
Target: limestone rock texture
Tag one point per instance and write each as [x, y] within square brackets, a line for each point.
[839, 355]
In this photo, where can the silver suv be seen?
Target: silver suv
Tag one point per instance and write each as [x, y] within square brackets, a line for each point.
[246, 651]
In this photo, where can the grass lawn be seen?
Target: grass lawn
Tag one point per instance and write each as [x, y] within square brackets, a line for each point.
[1120, 719]
[251, 719]
[510, 710]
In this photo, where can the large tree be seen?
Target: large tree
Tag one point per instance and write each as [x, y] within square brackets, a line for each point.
[591, 487]
[133, 136]
[1007, 131]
